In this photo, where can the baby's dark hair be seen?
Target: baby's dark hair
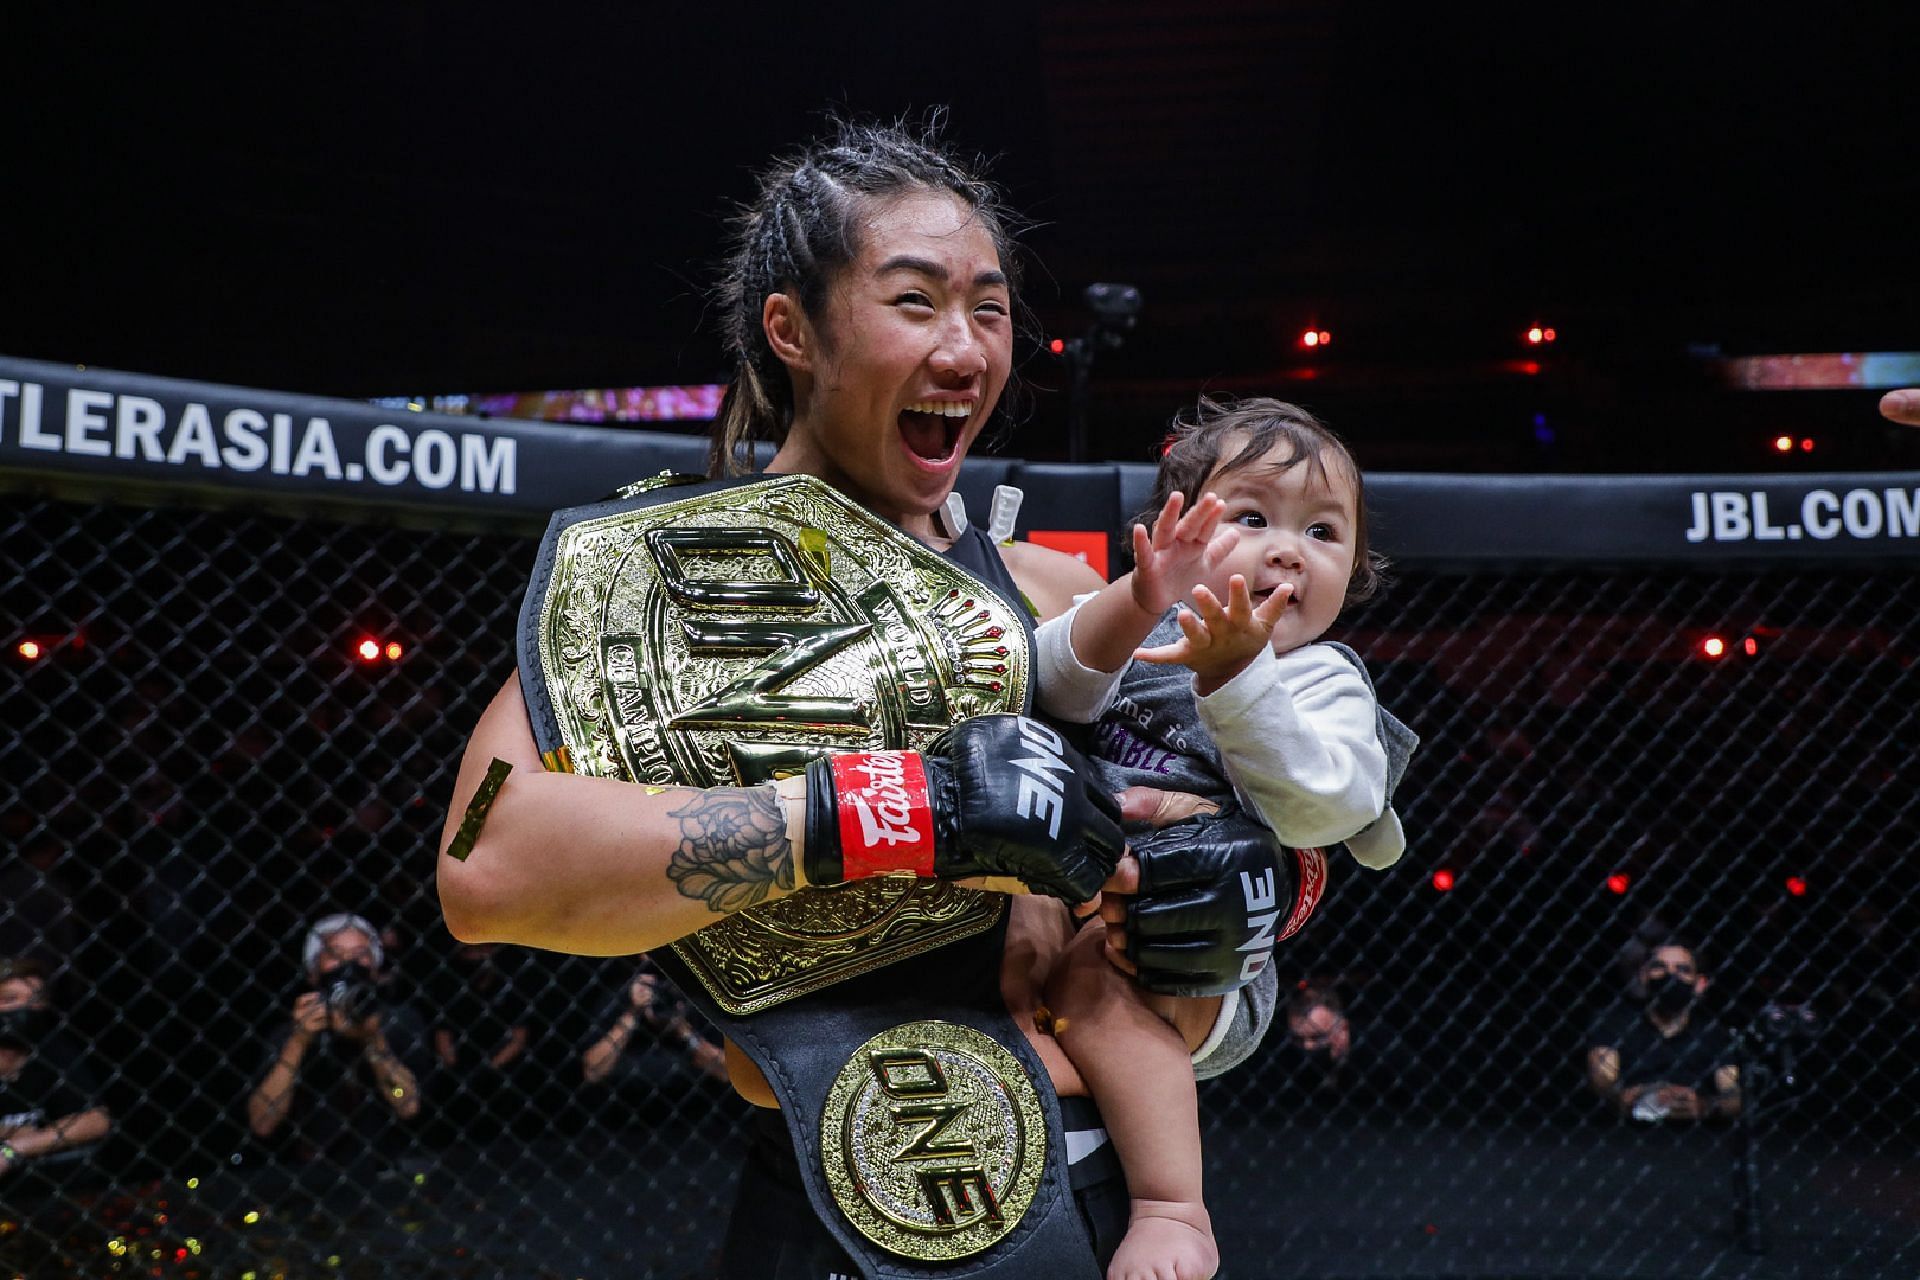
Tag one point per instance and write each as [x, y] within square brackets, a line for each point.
[1196, 453]
[801, 228]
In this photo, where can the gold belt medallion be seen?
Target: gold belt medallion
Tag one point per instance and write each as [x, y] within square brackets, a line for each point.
[933, 1141]
[729, 638]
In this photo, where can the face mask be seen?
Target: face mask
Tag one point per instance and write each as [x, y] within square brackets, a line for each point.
[1670, 996]
[24, 1028]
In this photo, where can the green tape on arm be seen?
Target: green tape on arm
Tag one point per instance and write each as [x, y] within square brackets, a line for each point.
[476, 815]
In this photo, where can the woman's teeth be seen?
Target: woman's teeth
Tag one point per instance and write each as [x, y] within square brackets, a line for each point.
[942, 408]
[932, 428]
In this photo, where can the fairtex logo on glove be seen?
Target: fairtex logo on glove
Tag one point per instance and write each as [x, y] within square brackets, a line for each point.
[885, 822]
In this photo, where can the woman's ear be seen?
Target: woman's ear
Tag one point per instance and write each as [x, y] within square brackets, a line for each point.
[787, 330]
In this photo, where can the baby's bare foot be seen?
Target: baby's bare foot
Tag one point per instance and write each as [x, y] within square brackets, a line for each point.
[1166, 1240]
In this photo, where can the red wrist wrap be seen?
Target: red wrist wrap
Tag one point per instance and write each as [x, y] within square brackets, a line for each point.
[885, 821]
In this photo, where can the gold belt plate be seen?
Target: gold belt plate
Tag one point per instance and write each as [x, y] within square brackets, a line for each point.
[933, 1141]
[729, 638]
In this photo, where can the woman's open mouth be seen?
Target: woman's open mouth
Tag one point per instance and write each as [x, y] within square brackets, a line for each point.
[931, 428]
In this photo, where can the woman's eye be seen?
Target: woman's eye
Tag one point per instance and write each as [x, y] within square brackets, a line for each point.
[994, 308]
[914, 298]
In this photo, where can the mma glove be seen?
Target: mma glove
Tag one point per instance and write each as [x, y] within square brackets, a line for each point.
[1212, 890]
[998, 795]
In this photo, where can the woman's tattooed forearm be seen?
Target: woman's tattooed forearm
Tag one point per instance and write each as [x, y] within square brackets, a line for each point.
[733, 848]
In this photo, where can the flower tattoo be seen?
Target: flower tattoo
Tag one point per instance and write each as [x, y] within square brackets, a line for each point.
[733, 848]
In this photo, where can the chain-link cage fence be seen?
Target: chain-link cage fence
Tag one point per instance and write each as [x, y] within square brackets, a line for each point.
[223, 728]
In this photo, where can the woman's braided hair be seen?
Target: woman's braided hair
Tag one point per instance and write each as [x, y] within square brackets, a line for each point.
[801, 228]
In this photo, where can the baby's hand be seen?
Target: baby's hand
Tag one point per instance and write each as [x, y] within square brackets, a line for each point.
[1179, 553]
[1218, 641]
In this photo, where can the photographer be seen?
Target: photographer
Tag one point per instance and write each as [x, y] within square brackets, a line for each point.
[1658, 1059]
[481, 1029]
[50, 1114]
[670, 1044]
[336, 1081]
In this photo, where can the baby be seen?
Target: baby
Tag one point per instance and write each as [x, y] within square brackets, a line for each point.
[1262, 531]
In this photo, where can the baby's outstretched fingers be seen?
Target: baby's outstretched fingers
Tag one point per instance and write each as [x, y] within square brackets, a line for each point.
[1165, 655]
[1142, 543]
[1194, 628]
[1207, 607]
[1200, 524]
[1166, 525]
[1194, 637]
[1239, 600]
[1269, 611]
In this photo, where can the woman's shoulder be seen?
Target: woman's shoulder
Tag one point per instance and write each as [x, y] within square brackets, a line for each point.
[1051, 579]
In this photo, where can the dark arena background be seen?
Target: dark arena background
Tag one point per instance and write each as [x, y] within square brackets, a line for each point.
[235, 700]
[1603, 302]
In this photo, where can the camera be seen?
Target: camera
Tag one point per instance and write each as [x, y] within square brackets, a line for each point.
[1113, 305]
[1778, 1023]
[1771, 1045]
[350, 992]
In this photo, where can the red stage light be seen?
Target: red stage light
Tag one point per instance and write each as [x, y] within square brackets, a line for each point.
[1713, 646]
[1619, 882]
[1325, 337]
[1549, 335]
[1311, 338]
[1057, 346]
[1806, 446]
[1783, 443]
[1796, 886]
[1536, 335]
[1443, 880]
[1751, 646]
[29, 649]
[394, 651]
[368, 649]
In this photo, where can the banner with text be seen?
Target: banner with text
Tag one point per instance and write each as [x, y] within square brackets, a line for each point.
[74, 430]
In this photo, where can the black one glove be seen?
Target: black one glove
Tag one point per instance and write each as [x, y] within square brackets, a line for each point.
[1214, 890]
[998, 795]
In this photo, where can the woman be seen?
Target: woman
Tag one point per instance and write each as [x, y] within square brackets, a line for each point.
[869, 308]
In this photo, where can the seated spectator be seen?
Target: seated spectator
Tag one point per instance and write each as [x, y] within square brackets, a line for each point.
[1657, 1058]
[480, 1038]
[51, 1116]
[482, 1019]
[1326, 1059]
[675, 1037]
[37, 917]
[1320, 1035]
[338, 1081]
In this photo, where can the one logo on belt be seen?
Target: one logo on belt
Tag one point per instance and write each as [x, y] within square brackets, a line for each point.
[933, 1141]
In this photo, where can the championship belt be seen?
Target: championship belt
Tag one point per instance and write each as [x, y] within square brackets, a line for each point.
[726, 634]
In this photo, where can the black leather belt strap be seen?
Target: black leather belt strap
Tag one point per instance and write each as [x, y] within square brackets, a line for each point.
[802, 1044]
